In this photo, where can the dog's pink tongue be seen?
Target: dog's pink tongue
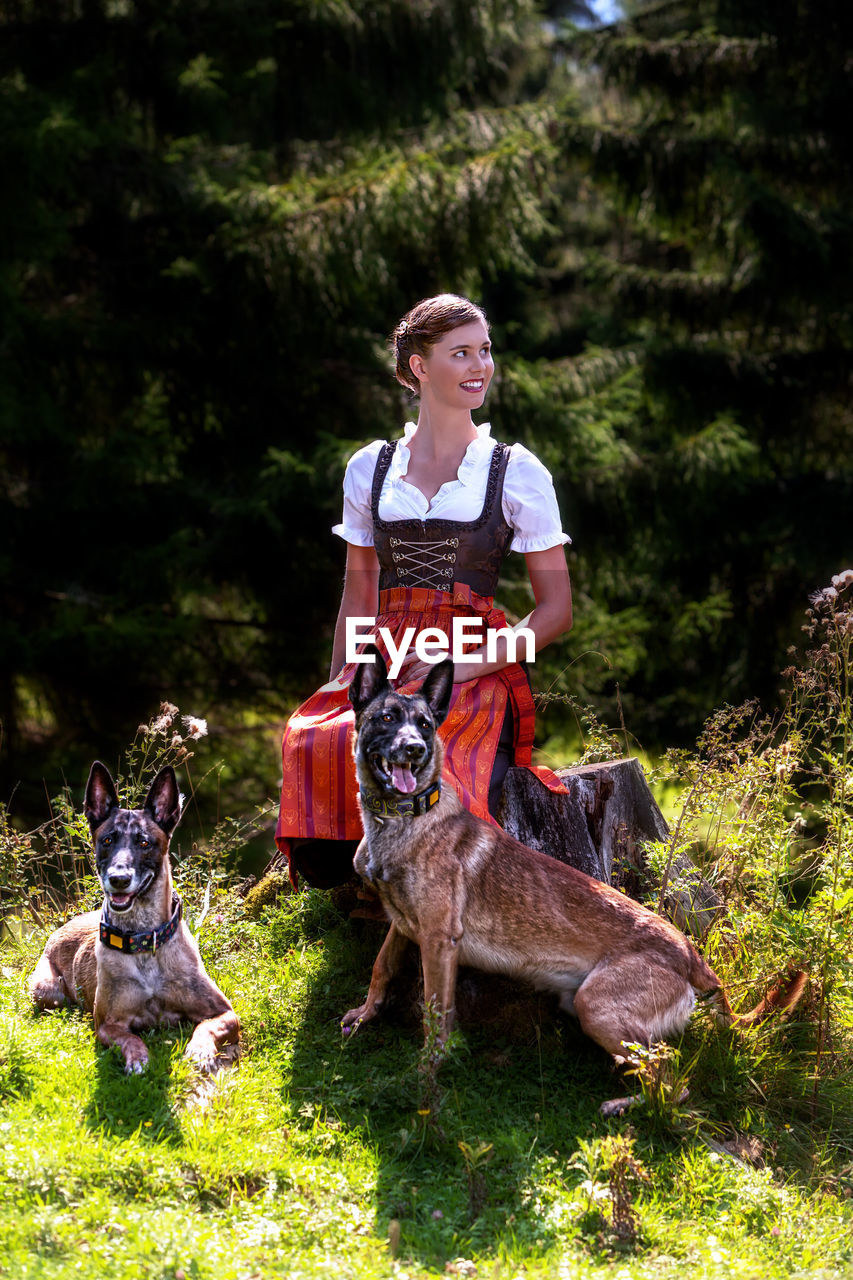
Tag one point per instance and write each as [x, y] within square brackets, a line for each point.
[403, 778]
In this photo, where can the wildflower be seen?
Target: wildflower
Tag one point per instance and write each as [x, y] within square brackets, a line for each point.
[843, 579]
[195, 727]
[460, 1267]
[177, 740]
[168, 711]
[785, 762]
[437, 1214]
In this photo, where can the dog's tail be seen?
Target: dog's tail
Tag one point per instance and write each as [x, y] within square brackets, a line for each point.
[780, 999]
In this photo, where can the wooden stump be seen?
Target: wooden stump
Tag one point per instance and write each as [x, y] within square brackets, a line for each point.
[599, 826]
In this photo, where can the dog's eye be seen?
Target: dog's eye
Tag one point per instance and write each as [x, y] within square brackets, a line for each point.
[423, 723]
[143, 843]
[387, 718]
[107, 841]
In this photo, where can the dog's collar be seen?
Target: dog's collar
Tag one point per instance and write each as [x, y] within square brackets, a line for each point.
[399, 806]
[131, 943]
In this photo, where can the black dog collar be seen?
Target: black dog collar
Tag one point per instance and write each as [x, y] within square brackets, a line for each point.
[131, 943]
[400, 806]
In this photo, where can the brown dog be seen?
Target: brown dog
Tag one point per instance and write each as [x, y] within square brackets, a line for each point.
[468, 893]
[135, 963]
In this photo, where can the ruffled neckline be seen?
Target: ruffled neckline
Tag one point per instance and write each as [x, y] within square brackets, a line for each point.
[468, 467]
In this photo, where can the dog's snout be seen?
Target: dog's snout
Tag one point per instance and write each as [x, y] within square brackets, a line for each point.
[415, 751]
[119, 881]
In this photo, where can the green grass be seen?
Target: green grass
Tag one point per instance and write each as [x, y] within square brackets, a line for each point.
[312, 1158]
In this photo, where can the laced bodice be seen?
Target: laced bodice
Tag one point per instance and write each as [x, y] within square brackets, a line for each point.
[440, 553]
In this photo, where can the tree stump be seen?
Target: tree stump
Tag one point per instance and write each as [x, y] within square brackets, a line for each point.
[600, 826]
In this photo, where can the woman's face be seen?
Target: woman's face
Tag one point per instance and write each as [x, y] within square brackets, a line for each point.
[458, 369]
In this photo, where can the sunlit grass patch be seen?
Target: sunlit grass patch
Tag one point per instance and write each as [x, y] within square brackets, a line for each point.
[313, 1158]
[321, 1157]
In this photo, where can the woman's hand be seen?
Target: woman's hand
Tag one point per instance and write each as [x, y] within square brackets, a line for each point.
[552, 617]
[413, 671]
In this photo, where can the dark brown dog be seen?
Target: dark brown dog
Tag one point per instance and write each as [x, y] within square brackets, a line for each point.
[468, 893]
[135, 964]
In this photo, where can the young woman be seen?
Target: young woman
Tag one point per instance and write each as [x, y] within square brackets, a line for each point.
[428, 521]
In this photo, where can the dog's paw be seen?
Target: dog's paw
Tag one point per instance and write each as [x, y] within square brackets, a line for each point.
[618, 1106]
[352, 1020]
[202, 1056]
[49, 993]
[208, 1057]
[135, 1063]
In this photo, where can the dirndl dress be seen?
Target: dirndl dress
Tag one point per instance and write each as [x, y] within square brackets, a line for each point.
[430, 571]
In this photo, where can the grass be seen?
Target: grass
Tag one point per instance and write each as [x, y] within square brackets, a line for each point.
[319, 1158]
[314, 1158]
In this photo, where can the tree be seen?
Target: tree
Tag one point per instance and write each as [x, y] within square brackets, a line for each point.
[705, 234]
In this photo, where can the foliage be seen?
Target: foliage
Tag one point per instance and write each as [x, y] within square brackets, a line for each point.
[16, 1060]
[309, 1155]
[208, 235]
[713, 202]
[50, 869]
[663, 1081]
[766, 814]
[608, 1164]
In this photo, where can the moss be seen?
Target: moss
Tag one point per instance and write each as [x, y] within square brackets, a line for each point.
[273, 886]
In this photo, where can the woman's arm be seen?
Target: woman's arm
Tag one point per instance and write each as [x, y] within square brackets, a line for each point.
[551, 618]
[359, 600]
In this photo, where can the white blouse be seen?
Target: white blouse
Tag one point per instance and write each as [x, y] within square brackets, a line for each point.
[529, 501]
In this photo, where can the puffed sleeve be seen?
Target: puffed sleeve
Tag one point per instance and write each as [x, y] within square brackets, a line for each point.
[357, 522]
[530, 503]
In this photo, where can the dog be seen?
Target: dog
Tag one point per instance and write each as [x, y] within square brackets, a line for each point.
[134, 964]
[468, 893]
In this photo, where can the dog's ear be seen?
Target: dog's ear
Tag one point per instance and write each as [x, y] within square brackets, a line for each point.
[438, 689]
[369, 679]
[101, 798]
[163, 802]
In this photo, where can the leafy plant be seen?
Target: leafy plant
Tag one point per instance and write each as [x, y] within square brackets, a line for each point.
[610, 1168]
[663, 1079]
[476, 1157]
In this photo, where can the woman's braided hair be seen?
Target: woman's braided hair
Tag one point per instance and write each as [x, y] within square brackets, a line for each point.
[421, 328]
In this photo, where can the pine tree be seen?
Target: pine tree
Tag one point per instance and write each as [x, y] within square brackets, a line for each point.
[704, 243]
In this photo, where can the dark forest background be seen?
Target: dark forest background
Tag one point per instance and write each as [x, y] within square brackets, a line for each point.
[212, 214]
